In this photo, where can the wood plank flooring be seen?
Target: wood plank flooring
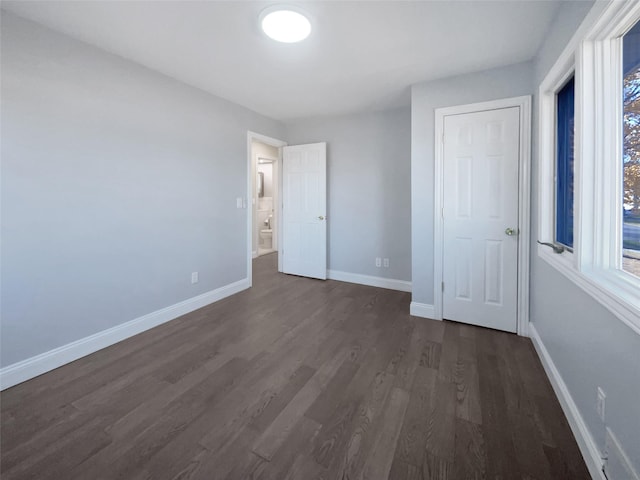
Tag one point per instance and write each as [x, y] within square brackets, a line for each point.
[294, 379]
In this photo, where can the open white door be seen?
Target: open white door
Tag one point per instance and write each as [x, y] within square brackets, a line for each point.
[304, 207]
[480, 254]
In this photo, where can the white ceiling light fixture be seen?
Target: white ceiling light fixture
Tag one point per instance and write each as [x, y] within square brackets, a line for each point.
[285, 24]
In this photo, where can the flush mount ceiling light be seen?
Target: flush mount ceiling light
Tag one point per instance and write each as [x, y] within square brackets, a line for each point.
[285, 24]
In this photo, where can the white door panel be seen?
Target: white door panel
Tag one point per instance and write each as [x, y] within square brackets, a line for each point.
[480, 273]
[304, 225]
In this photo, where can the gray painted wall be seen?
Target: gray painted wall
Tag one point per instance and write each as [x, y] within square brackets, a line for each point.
[117, 183]
[368, 187]
[589, 346]
[511, 81]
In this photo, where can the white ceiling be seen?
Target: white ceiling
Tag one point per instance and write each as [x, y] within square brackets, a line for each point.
[360, 56]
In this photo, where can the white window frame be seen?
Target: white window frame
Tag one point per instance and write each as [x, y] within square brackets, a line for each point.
[595, 264]
[547, 127]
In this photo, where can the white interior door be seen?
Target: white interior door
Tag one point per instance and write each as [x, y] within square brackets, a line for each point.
[304, 210]
[480, 218]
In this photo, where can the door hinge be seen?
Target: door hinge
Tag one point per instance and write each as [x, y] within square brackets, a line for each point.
[443, 287]
[442, 212]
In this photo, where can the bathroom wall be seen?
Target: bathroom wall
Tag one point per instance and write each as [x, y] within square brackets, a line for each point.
[267, 171]
[266, 205]
[259, 149]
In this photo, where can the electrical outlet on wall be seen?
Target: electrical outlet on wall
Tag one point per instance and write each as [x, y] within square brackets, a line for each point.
[378, 262]
[385, 262]
[194, 277]
[600, 403]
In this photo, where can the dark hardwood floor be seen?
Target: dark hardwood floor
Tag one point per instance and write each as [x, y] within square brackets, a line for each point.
[295, 379]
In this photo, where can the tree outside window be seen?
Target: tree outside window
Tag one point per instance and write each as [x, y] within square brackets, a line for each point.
[631, 152]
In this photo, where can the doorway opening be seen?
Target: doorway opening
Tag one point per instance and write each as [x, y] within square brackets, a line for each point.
[265, 195]
[263, 186]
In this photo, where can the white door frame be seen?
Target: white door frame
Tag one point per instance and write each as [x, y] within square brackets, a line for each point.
[524, 201]
[274, 142]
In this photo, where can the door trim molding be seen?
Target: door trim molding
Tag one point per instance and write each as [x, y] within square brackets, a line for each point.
[274, 142]
[524, 201]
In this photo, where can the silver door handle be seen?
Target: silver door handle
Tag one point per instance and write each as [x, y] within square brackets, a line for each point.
[511, 231]
[320, 217]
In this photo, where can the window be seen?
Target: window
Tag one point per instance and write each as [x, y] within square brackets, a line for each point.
[589, 163]
[564, 163]
[631, 151]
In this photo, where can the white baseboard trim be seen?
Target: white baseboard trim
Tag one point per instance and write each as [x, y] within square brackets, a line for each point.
[390, 283]
[617, 464]
[586, 443]
[422, 310]
[32, 367]
[254, 254]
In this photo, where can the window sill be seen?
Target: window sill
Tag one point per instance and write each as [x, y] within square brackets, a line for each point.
[624, 303]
